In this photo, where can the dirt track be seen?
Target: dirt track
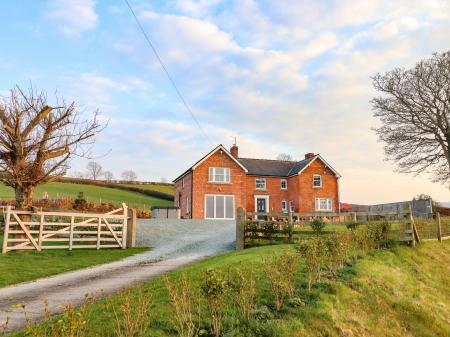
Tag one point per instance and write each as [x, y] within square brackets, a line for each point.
[174, 244]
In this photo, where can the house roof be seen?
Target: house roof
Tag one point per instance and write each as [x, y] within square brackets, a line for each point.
[265, 167]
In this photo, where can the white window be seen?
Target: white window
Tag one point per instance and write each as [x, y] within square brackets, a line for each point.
[291, 206]
[260, 183]
[324, 204]
[283, 184]
[219, 207]
[219, 175]
[283, 206]
[188, 205]
[317, 180]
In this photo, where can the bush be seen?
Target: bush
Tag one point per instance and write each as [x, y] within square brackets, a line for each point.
[243, 290]
[352, 225]
[318, 225]
[312, 251]
[214, 289]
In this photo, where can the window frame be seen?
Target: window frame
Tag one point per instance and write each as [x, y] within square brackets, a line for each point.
[314, 181]
[188, 205]
[225, 196]
[212, 177]
[259, 188]
[329, 205]
[285, 207]
[291, 206]
[281, 184]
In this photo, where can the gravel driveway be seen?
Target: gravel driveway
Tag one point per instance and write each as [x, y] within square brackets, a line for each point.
[174, 243]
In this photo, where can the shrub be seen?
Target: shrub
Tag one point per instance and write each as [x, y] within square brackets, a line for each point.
[181, 295]
[279, 270]
[313, 253]
[132, 317]
[352, 225]
[80, 202]
[318, 225]
[243, 286]
[337, 247]
[214, 288]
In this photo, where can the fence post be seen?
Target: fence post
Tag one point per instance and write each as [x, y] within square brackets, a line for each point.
[411, 226]
[72, 224]
[41, 230]
[438, 224]
[6, 234]
[125, 226]
[131, 235]
[291, 225]
[240, 228]
[99, 228]
[354, 216]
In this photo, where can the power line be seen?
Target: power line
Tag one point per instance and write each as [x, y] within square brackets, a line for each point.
[166, 71]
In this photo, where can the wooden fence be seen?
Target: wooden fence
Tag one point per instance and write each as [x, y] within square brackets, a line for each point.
[287, 227]
[26, 230]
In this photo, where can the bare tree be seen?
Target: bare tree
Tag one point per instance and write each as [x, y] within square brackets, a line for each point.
[94, 170]
[129, 175]
[285, 157]
[37, 140]
[414, 111]
[109, 176]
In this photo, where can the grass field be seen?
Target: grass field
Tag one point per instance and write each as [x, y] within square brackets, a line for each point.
[92, 194]
[395, 292]
[23, 266]
[169, 189]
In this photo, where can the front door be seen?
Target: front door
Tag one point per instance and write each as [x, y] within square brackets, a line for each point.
[261, 207]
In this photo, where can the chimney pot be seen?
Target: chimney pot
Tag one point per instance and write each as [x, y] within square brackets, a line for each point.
[235, 151]
[309, 155]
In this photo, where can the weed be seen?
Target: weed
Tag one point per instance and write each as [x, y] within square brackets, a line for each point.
[181, 295]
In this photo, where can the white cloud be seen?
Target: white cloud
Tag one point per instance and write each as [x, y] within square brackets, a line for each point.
[74, 17]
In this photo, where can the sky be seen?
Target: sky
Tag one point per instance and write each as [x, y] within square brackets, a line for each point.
[280, 76]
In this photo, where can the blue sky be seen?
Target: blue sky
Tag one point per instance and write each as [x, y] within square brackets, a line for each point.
[281, 76]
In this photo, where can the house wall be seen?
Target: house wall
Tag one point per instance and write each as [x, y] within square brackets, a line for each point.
[201, 186]
[273, 190]
[184, 192]
[308, 193]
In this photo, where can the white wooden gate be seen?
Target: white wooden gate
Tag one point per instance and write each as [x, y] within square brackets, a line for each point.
[26, 230]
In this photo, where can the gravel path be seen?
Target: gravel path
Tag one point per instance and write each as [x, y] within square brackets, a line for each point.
[174, 244]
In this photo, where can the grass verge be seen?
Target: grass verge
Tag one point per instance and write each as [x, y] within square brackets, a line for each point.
[21, 266]
[392, 292]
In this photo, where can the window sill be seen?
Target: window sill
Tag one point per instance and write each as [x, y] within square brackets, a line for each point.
[219, 183]
[261, 190]
[317, 187]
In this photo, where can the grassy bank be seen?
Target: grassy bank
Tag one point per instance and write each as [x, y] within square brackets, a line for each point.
[16, 267]
[392, 292]
[92, 193]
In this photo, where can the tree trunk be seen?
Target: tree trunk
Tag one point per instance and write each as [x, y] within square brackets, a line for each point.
[24, 201]
[24, 197]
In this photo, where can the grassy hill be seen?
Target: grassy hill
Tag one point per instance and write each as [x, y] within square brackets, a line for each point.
[92, 194]
[392, 292]
[169, 189]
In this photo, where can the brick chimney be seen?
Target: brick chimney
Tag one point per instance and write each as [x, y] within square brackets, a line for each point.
[235, 151]
[309, 155]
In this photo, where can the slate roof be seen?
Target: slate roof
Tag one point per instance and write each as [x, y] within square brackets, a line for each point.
[276, 168]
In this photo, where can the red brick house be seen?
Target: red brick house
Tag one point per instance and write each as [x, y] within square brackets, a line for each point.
[221, 181]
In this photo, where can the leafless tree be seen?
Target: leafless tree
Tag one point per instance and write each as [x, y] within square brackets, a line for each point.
[37, 140]
[94, 170]
[414, 110]
[284, 157]
[108, 175]
[129, 175]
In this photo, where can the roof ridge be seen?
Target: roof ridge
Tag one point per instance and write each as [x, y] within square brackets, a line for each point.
[281, 161]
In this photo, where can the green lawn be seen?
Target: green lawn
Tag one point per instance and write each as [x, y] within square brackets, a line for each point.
[16, 267]
[92, 194]
[169, 189]
[395, 292]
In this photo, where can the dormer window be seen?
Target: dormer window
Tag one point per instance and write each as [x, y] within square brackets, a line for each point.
[219, 175]
[284, 184]
[317, 181]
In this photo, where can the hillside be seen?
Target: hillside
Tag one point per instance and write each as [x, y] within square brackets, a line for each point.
[92, 193]
[395, 292]
[164, 188]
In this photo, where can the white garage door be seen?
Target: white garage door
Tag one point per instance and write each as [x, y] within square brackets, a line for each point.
[219, 207]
